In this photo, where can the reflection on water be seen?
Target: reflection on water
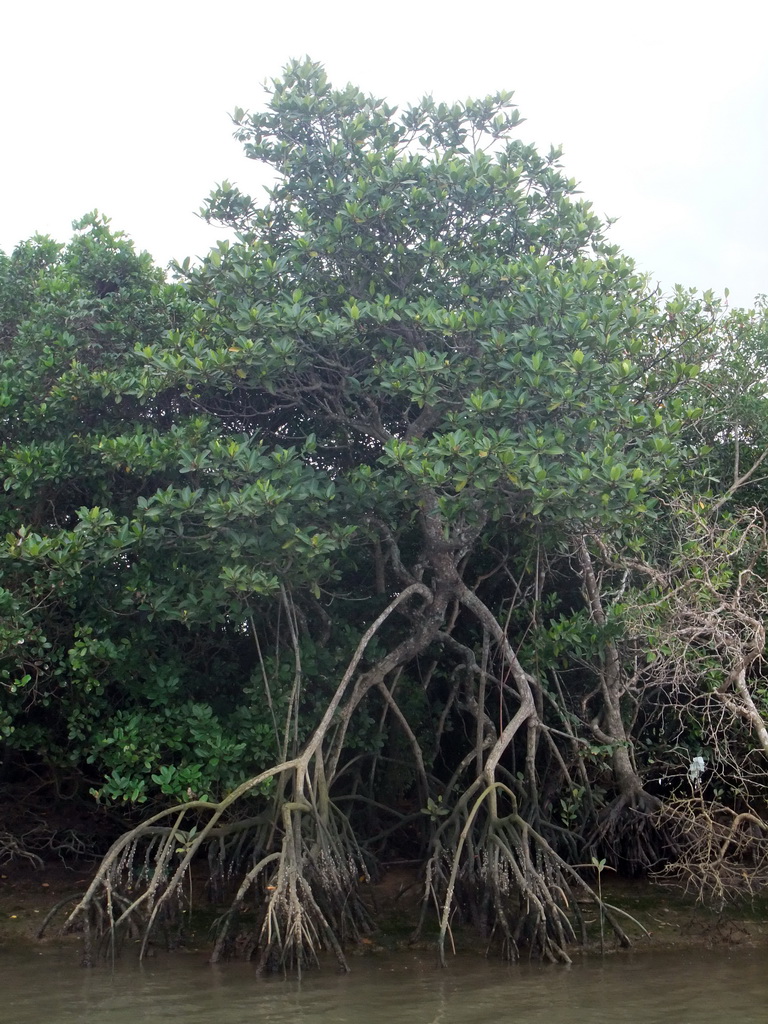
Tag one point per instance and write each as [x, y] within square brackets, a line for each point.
[712, 987]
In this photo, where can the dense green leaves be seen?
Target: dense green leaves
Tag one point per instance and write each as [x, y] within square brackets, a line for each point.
[419, 360]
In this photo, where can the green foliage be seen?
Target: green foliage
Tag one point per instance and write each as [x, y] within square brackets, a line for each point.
[426, 296]
[732, 394]
[101, 603]
[423, 327]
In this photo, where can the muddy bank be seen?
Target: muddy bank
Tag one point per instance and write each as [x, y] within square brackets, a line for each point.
[658, 918]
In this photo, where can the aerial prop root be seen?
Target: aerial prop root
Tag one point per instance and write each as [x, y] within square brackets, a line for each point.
[305, 890]
[721, 852]
[483, 856]
[308, 884]
[311, 892]
[631, 831]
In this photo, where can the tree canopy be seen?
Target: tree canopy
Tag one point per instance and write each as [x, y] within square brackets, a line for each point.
[404, 520]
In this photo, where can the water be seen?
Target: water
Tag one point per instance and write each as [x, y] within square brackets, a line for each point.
[700, 987]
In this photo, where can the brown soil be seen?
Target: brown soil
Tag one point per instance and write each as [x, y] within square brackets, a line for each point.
[28, 894]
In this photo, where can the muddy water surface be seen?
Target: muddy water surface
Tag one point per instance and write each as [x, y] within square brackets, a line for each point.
[712, 987]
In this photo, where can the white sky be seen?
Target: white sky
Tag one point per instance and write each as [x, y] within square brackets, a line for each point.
[662, 108]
